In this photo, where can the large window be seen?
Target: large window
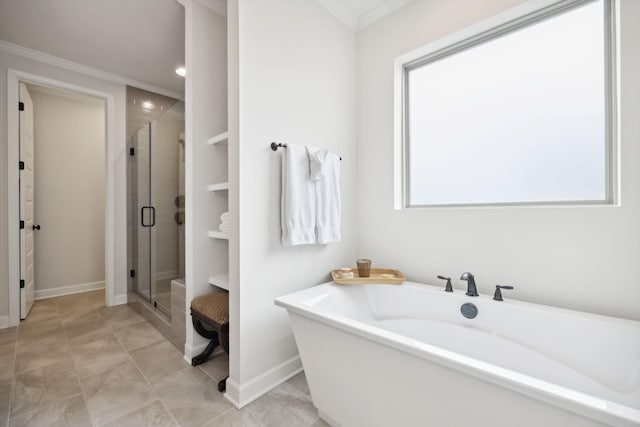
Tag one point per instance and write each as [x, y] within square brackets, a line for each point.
[520, 114]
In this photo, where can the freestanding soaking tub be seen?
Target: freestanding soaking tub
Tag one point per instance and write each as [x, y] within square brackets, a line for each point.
[389, 355]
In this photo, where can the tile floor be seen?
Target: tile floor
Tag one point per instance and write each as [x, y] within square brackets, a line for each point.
[74, 362]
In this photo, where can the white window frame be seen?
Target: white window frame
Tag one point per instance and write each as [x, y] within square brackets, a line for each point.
[511, 20]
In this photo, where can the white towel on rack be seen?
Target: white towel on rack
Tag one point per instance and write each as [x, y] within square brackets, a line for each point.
[317, 162]
[298, 210]
[328, 203]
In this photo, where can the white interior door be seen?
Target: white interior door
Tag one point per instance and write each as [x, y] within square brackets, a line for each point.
[27, 279]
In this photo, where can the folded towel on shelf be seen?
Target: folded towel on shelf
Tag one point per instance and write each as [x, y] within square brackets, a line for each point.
[317, 161]
[298, 210]
[224, 217]
[328, 203]
[225, 226]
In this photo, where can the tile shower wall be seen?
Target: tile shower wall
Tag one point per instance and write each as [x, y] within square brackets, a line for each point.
[166, 159]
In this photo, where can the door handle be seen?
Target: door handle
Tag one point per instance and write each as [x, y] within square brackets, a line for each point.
[35, 227]
[153, 216]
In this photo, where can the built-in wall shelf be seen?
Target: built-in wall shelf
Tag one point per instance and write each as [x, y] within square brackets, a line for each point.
[220, 280]
[216, 234]
[222, 186]
[219, 141]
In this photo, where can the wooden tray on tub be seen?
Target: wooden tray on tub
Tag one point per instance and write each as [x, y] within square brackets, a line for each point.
[383, 276]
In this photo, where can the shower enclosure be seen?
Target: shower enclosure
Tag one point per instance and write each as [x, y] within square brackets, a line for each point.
[155, 195]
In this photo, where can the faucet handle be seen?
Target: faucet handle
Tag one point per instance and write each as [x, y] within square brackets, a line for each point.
[448, 287]
[498, 293]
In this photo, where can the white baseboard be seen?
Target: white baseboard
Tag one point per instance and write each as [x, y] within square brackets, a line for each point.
[68, 290]
[192, 351]
[120, 299]
[241, 395]
[4, 322]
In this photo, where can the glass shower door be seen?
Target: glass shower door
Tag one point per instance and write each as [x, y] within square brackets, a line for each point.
[146, 215]
[155, 186]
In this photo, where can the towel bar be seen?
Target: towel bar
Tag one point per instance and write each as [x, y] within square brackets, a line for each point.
[276, 145]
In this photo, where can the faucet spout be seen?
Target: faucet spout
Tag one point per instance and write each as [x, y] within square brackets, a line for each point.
[472, 291]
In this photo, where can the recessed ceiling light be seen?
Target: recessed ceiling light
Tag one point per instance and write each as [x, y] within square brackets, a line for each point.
[181, 71]
[147, 105]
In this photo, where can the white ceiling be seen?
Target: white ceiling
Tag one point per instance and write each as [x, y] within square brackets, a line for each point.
[359, 14]
[142, 40]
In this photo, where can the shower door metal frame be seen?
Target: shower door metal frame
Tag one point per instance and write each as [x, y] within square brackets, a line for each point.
[145, 280]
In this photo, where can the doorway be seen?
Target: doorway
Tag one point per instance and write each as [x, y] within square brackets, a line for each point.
[69, 176]
[15, 78]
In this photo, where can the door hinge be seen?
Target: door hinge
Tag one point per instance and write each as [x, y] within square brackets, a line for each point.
[21, 284]
[21, 224]
[132, 151]
[21, 166]
[20, 106]
[132, 273]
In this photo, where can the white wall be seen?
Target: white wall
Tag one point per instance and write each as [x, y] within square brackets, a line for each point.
[296, 85]
[205, 116]
[584, 258]
[116, 154]
[69, 181]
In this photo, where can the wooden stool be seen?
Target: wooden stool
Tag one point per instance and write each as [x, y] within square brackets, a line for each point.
[210, 317]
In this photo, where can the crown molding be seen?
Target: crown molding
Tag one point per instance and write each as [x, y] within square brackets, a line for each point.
[55, 61]
[344, 14]
[380, 12]
[359, 22]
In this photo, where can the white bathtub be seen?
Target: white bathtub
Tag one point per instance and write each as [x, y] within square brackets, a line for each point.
[388, 355]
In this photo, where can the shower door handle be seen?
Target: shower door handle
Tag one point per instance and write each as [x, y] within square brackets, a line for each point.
[153, 216]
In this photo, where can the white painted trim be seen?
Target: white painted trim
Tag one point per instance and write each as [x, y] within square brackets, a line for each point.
[522, 11]
[340, 11]
[192, 351]
[488, 29]
[68, 290]
[120, 299]
[13, 79]
[242, 394]
[357, 22]
[380, 12]
[13, 194]
[82, 69]
[4, 322]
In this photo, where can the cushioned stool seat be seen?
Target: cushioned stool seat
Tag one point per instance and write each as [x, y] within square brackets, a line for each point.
[210, 317]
